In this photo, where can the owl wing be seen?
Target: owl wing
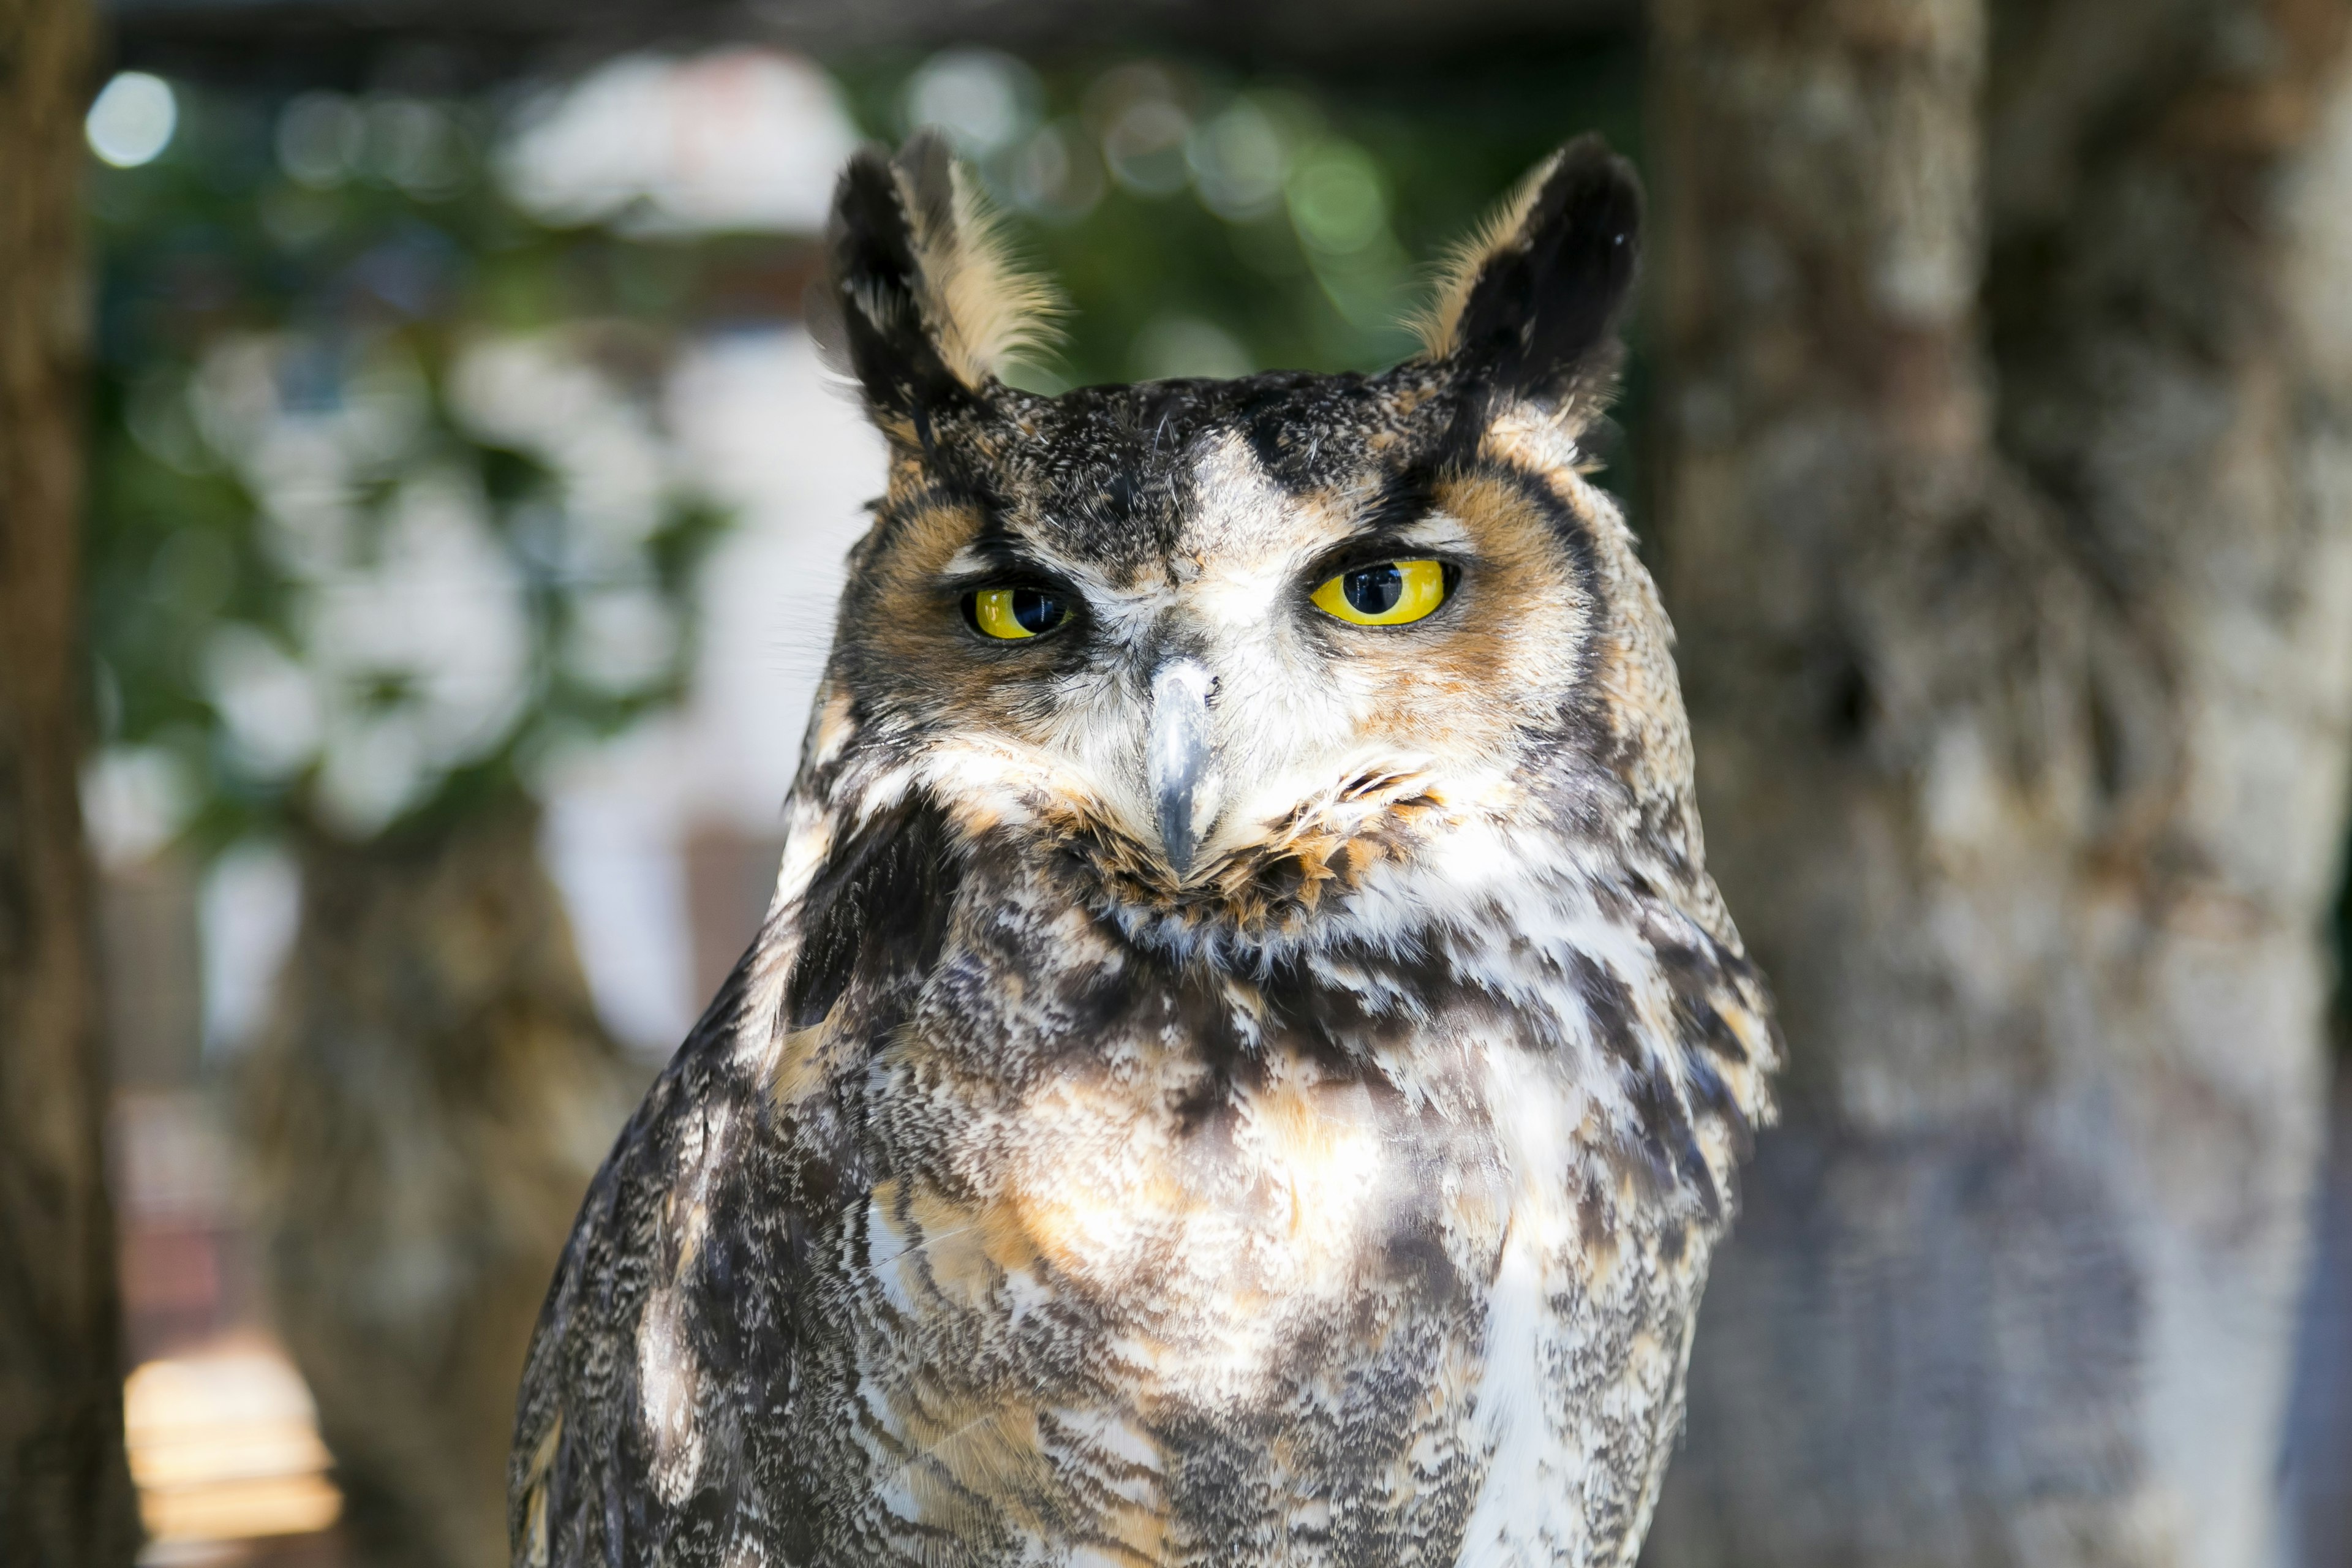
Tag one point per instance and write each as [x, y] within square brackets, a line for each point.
[660, 1398]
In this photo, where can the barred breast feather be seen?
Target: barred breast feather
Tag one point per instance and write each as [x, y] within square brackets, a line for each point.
[965, 1230]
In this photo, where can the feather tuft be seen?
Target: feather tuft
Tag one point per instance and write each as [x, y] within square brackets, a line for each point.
[1438, 323]
[985, 310]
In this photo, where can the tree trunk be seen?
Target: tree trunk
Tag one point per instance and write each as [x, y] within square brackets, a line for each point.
[65, 1492]
[2006, 511]
[423, 1114]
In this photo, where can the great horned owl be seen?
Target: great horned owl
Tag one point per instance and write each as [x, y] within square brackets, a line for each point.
[1245, 1064]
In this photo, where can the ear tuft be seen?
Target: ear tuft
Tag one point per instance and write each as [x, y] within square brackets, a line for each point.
[1530, 305]
[923, 301]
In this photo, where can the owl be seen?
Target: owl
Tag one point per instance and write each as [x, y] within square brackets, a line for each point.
[1245, 1065]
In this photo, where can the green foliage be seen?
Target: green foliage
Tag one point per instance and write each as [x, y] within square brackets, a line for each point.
[288, 300]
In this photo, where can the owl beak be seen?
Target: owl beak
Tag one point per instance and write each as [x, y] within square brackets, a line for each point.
[1183, 788]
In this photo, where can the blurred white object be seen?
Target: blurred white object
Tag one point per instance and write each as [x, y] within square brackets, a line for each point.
[131, 119]
[224, 1446]
[773, 435]
[982, 98]
[248, 909]
[775, 439]
[742, 139]
[614, 854]
[134, 801]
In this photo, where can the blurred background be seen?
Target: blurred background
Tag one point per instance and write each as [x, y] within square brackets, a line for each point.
[464, 507]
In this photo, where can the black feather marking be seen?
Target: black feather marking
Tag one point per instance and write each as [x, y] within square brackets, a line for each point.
[878, 910]
[1699, 970]
[1609, 1003]
[1669, 1143]
[1543, 311]
[1713, 1096]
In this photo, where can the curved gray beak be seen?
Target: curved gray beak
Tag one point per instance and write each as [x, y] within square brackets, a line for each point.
[1183, 786]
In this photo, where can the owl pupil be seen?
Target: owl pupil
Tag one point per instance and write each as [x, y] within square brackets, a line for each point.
[1374, 590]
[1036, 610]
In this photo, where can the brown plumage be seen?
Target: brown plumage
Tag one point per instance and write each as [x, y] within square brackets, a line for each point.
[1245, 1065]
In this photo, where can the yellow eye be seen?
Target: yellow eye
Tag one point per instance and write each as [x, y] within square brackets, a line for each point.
[1009, 613]
[1389, 594]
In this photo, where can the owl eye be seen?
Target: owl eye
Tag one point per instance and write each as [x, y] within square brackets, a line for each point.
[1012, 613]
[1387, 594]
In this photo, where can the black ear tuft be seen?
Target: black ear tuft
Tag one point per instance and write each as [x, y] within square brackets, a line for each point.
[1531, 305]
[874, 310]
[921, 301]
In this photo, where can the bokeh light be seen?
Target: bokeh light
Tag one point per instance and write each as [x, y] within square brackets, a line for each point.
[131, 119]
[983, 100]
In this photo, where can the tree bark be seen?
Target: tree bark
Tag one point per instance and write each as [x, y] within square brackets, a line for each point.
[2006, 514]
[422, 1115]
[65, 1490]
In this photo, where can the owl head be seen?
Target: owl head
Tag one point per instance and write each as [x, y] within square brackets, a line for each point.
[1221, 649]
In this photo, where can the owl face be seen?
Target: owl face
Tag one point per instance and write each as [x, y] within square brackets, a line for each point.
[1190, 625]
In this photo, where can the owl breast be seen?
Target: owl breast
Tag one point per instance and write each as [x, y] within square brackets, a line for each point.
[1142, 1303]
